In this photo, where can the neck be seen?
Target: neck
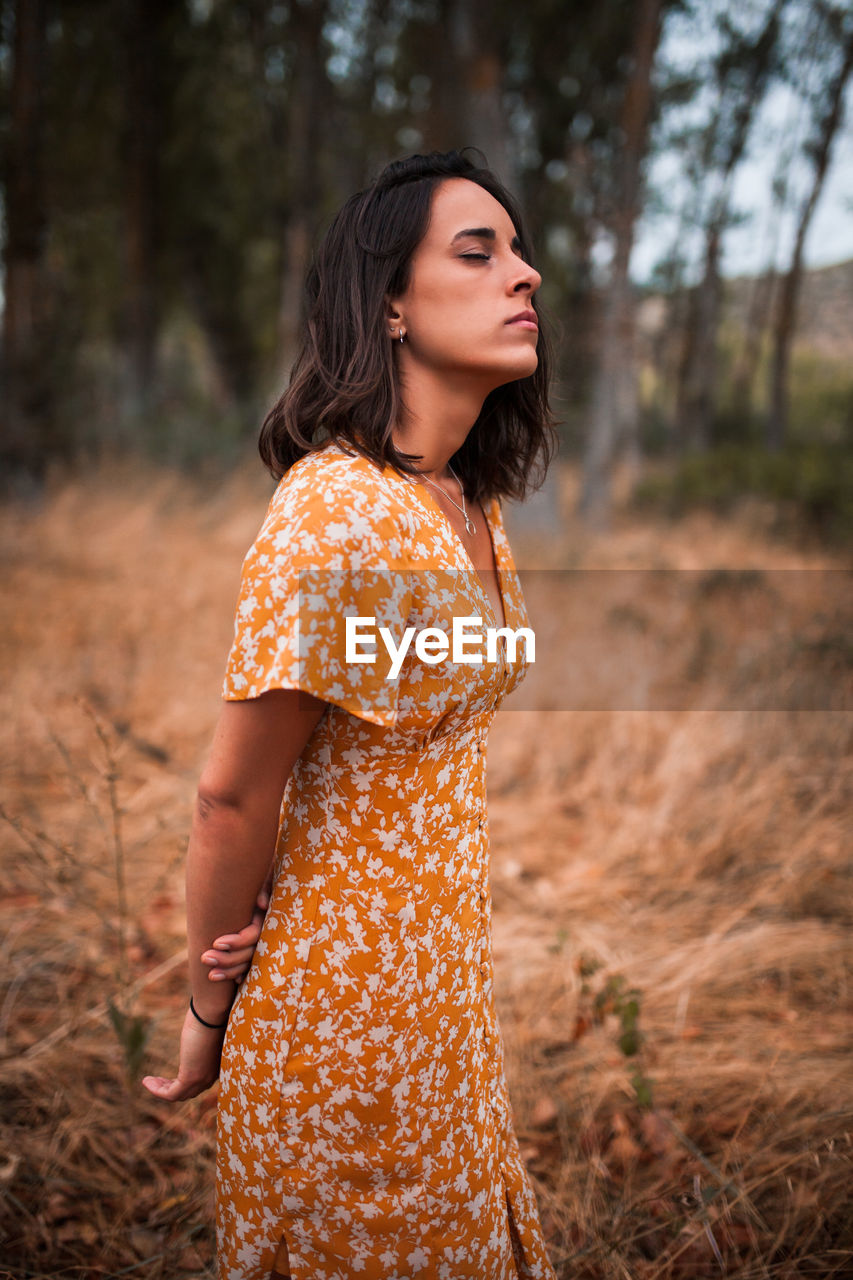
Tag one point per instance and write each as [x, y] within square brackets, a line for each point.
[438, 412]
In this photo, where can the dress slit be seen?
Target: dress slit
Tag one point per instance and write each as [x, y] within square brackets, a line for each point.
[281, 1265]
[522, 1268]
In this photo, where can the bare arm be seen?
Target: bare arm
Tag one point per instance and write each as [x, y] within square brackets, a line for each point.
[232, 840]
[231, 955]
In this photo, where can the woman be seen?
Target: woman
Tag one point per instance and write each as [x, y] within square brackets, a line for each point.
[364, 1123]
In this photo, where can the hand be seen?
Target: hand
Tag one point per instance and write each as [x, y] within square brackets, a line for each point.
[198, 1069]
[230, 957]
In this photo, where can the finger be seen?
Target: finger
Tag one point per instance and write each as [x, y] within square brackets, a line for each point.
[222, 959]
[233, 966]
[226, 942]
[234, 972]
[162, 1087]
[225, 959]
[247, 937]
[171, 1090]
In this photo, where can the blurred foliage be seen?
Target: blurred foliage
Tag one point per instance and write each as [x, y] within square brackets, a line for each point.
[193, 151]
[821, 399]
[812, 485]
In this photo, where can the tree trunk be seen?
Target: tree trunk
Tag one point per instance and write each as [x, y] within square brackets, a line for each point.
[614, 409]
[229, 343]
[786, 314]
[710, 296]
[145, 48]
[698, 401]
[762, 294]
[304, 135]
[749, 354]
[28, 394]
[472, 30]
[465, 69]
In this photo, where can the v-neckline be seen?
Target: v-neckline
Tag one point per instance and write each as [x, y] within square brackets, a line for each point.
[425, 497]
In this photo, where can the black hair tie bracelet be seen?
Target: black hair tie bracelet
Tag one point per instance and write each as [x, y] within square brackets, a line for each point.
[213, 1026]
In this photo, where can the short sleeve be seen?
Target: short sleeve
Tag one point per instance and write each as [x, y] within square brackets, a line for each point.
[329, 549]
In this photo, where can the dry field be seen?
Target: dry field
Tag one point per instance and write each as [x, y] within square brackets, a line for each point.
[672, 907]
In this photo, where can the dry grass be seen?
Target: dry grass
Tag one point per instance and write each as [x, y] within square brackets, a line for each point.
[695, 863]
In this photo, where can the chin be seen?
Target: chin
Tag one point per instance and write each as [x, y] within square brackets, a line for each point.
[524, 369]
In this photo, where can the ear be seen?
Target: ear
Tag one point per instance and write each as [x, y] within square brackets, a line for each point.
[394, 318]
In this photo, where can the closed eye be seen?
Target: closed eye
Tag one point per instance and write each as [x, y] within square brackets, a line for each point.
[476, 257]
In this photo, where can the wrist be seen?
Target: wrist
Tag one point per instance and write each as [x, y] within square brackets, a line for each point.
[211, 1013]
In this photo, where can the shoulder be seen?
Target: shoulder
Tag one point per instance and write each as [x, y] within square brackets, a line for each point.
[331, 499]
[329, 477]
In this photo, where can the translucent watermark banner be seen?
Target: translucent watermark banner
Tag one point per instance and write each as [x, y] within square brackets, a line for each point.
[667, 639]
[586, 639]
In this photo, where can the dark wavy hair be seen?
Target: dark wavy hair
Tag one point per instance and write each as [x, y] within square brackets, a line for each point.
[344, 385]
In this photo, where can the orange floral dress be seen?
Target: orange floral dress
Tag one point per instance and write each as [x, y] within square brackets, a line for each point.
[364, 1123]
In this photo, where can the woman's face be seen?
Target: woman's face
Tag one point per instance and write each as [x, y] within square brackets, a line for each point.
[468, 308]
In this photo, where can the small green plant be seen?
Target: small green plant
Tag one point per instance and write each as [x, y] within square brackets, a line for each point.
[133, 1032]
[615, 998]
[560, 939]
[68, 870]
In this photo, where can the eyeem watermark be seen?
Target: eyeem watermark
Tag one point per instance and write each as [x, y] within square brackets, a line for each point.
[433, 645]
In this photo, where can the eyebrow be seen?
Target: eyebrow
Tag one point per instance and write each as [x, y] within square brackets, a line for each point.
[485, 233]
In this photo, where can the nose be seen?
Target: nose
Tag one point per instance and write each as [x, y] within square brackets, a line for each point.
[526, 279]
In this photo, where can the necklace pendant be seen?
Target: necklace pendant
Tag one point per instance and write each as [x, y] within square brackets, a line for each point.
[470, 527]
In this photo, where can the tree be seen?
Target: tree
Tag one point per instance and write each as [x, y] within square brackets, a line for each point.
[760, 300]
[742, 71]
[146, 35]
[835, 33]
[306, 115]
[28, 391]
[613, 414]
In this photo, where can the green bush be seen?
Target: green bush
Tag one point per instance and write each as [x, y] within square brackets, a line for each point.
[813, 482]
[821, 399]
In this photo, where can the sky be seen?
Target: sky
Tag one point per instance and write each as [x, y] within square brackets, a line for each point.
[747, 247]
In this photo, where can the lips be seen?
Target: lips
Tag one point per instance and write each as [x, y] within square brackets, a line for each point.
[525, 318]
